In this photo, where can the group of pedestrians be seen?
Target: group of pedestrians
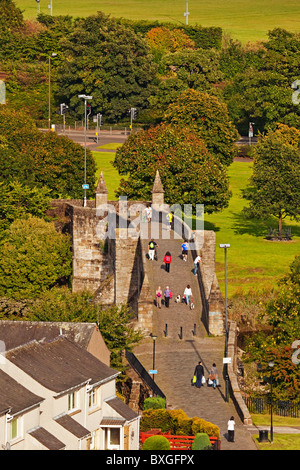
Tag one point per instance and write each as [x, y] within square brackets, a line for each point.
[167, 295]
[213, 380]
[199, 377]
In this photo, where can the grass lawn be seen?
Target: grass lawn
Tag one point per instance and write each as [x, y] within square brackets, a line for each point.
[246, 20]
[280, 442]
[253, 263]
[111, 175]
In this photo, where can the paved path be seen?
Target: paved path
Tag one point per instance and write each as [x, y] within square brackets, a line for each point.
[175, 358]
[175, 361]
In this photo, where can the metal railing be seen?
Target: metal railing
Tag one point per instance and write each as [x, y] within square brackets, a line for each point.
[143, 374]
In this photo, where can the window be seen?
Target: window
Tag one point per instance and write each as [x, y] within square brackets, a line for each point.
[16, 428]
[72, 401]
[93, 397]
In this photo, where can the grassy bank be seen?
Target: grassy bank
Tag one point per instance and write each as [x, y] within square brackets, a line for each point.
[253, 263]
[247, 20]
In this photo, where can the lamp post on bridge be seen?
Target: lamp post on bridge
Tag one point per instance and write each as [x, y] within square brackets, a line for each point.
[225, 246]
[85, 186]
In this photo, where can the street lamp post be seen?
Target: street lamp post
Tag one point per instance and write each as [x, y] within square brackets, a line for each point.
[225, 246]
[271, 365]
[85, 97]
[154, 338]
[49, 89]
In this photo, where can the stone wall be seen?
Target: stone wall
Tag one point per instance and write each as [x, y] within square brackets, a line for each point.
[232, 368]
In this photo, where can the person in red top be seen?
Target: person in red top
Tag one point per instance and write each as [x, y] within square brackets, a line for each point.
[167, 261]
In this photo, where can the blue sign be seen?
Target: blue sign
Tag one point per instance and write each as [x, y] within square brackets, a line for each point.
[85, 186]
[152, 371]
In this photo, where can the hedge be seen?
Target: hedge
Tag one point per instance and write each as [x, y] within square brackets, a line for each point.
[177, 422]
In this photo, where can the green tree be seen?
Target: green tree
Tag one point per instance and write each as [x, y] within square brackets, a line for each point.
[18, 201]
[34, 258]
[189, 173]
[207, 116]
[282, 316]
[274, 188]
[109, 62]
[38, 159]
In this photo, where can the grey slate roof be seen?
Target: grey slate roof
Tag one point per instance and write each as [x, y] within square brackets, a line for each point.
[15, 397]
[47, 439]
[60, 365]
[16, 333]
[121, 408]
[75, 428]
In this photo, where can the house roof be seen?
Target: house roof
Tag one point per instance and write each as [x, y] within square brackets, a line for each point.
[16, 333]
[47, 439]
[67, 422]
[121, 408]
[14, 397]
[60, 365]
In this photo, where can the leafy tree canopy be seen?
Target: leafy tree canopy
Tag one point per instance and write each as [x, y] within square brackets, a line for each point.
[282, 314]
[189, 173]
[34, 258]
[40, 159]
[109, 62]
[207, 116]
[18, 201]
[274, 188]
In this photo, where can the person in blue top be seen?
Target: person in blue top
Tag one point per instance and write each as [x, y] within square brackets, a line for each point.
[184, 252]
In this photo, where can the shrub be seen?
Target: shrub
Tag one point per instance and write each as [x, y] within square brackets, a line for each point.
[156, 443]
[161, 419]
[201, 426]
[201, 442]
[154, 403]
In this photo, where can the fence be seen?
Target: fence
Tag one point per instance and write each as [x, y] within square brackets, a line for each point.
[178, 442]
[279, 407]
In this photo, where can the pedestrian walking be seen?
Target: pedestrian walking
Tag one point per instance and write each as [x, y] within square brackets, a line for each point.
[148, 211]
[199, 373]
[167, 261]
[169, 218]
[187, 294]
[214, 377]
[168, 295]
[158, 297]
[230, 429]
[184, 250]
[152, 246]
[197, 260]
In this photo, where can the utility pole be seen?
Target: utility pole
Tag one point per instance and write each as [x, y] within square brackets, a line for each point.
[187, 13]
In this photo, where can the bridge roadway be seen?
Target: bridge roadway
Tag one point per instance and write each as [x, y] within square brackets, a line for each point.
[175, 358]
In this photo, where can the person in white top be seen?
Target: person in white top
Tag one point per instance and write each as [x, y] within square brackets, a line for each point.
[230, 429]
[196, 264]
[187, 293]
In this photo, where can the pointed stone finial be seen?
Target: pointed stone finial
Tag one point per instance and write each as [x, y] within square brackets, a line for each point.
[157, 186]
[101, 191]
[157, 191]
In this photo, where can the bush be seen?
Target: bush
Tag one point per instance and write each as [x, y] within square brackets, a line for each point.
[154, 403]
[156, 443]
[159, 418]
[177, 422]
[201, 426]
[201, 442]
